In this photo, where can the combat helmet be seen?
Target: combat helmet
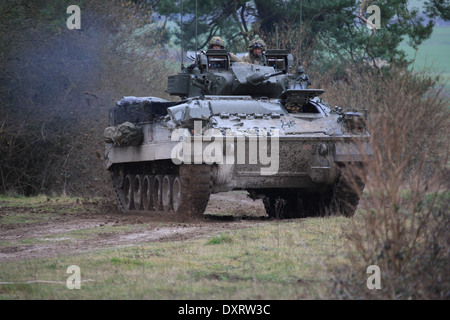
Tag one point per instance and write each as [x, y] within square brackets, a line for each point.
[216, 41]
[257, 43]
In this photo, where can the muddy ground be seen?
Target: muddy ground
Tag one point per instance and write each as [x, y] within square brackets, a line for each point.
[53, 237]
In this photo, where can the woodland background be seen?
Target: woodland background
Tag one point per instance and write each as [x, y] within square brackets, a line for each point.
[56, 86]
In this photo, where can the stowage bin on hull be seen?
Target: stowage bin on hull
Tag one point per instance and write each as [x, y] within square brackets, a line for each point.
[238, 126]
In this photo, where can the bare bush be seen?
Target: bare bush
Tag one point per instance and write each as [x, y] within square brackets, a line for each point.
[402, 223]
[58, 84]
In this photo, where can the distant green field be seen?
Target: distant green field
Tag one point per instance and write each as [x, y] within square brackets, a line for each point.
[433, 53]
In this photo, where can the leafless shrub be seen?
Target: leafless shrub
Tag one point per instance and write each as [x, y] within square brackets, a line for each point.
[57, 85]
[402, 223]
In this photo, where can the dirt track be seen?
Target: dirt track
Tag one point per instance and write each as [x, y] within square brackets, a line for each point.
[54, 238]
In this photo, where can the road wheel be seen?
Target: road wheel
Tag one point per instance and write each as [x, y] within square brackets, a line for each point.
[137, 191]
[157, 192]
[128, 186]
[166, 192]
[147, 198]
[176, 194]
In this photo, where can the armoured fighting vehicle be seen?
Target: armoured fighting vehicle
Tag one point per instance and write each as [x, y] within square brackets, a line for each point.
[237, 126]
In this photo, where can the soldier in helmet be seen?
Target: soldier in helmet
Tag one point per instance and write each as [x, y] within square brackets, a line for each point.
[218, 43]
[256, 52]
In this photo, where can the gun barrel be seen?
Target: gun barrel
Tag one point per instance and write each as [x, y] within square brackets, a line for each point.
[255, 79]
[275, 74]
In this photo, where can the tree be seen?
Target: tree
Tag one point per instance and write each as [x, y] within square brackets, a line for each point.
[438, 8]
[328, 30]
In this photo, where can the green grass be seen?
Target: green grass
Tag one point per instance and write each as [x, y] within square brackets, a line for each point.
[222, 238]
[20, 201]
[273, 260]
[434, 53]
[28, 210]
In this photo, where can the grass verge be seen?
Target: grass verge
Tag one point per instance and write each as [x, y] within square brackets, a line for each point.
[272, 260]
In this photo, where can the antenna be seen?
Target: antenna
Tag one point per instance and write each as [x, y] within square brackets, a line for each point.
[196, 44]
[301, 12]
[181, 26]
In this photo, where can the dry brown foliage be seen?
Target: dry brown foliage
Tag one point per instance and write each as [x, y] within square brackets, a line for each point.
[57, 85]
[403, 220]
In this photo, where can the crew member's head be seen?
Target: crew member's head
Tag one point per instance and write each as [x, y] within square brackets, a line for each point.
[257, 47]
[216, 43]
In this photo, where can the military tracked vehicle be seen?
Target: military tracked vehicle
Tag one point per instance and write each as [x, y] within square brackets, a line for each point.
[237, 126]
